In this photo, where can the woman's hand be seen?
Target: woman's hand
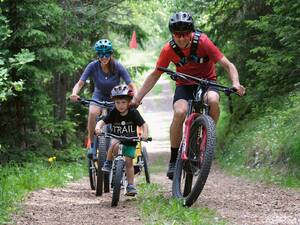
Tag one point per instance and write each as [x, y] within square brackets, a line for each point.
[74, 97]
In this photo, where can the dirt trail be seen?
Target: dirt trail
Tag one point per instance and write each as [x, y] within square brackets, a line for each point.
[233, 198]
[76, 204]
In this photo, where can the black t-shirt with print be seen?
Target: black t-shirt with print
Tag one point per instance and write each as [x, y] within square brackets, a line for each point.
[124, 125]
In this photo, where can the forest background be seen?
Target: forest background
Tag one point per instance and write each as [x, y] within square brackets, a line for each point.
[45, 45]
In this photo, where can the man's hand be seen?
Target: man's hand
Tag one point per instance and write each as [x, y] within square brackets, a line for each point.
[74, 98]
[240, 89]
[135, 102]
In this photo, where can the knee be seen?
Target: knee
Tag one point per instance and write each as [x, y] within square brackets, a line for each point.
[180, 113]
[93, 112]
[213, 99]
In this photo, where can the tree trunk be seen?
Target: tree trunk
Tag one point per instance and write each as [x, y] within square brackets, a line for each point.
[59, 99]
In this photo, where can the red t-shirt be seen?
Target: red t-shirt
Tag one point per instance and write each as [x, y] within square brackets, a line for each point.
[202, 70]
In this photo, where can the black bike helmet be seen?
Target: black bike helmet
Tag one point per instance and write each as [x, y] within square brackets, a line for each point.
[181, 21]
[121, 91]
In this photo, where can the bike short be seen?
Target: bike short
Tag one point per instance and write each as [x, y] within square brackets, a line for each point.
[129, 151]
[188, 92]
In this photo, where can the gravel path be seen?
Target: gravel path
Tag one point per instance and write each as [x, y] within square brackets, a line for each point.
[233, 198]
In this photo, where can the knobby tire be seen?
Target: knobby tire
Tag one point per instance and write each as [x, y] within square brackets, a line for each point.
[102, 177]
[146, 164]
[117, 182]
[185, 170]
[92, 175]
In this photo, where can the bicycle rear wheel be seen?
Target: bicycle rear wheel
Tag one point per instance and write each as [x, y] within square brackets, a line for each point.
[117, 182]
[146, 164]
[191, 174]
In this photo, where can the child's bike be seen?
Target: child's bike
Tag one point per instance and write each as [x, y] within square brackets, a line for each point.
[98, 179]
[198, 143]
[118, 178]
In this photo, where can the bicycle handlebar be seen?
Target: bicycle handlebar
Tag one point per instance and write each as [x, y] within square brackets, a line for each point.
[124, 138]
[173, 74]
[104, 104]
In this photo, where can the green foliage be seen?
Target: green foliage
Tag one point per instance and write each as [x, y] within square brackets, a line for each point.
[44, 46]
[9, 87]
[157, 209]
[260, 38]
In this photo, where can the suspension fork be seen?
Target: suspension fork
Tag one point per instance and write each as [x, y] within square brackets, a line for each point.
[183, 143]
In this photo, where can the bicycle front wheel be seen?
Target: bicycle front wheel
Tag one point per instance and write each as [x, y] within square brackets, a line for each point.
[191, 174]
[146, 164]
[117, 182]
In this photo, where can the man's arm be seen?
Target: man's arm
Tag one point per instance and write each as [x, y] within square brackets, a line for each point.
[147, 86]
[233, 75]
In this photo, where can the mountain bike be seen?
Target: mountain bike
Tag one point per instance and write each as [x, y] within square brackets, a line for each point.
[198, 143]
[118, 178]
[98, 179]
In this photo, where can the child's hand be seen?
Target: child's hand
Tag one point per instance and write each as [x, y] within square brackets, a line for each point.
[144, 137]
[98, 130]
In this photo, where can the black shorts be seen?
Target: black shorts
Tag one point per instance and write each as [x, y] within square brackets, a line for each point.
[188, 92]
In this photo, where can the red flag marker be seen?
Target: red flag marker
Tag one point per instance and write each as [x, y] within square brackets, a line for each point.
[133, 42]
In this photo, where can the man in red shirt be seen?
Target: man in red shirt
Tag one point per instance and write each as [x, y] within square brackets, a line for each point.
[197, 58]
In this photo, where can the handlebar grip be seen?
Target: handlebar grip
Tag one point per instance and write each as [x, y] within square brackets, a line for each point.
[164, 69]
[233, 89]
[230, 90]
[149, 139]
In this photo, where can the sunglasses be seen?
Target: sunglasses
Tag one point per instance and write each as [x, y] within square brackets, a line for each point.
[181, 34]
[106, 55]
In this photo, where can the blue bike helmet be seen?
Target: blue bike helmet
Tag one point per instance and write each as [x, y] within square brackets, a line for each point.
[181, 21]
[103, 46]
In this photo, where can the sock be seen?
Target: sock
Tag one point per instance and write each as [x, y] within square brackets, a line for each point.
[174, 153]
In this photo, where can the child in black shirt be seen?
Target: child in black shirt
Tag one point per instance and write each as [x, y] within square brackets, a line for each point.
[124, 121]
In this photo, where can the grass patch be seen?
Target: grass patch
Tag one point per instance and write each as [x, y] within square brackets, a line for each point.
[16, 181]
[157, 209]
[265, 175]
[266, 147]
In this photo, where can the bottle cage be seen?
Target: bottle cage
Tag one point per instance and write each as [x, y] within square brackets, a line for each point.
[193, 52]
